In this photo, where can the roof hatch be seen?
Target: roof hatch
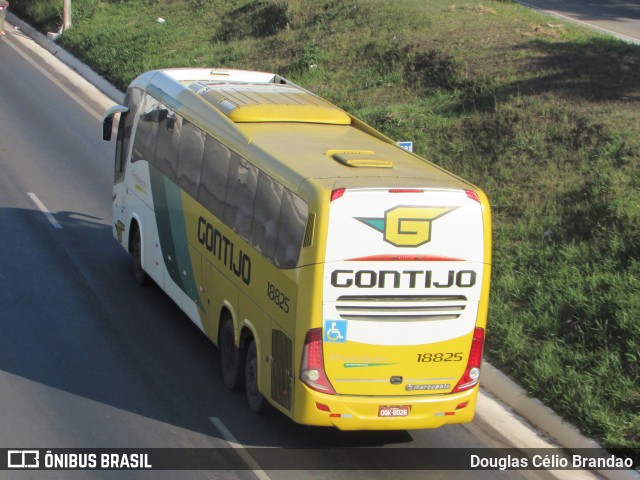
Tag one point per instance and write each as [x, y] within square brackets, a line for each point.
[359, 159]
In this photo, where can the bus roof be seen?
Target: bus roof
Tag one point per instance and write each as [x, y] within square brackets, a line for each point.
[249, 111]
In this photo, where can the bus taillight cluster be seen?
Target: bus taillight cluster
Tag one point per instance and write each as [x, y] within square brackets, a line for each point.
[312, 371]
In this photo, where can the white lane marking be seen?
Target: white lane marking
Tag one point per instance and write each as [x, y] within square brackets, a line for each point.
[242, 453]
[44, 210]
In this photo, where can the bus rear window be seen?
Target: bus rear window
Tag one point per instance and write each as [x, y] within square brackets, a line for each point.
[266, 214]
[293, 221]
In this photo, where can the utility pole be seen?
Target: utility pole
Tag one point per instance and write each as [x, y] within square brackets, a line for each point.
[66, 15]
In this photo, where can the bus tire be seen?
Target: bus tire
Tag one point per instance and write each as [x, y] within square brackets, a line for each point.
[257, 402]
[136, 252]
[231, 358]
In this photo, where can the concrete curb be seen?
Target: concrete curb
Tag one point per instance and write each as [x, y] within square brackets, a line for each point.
[497, 383]
[543, 418]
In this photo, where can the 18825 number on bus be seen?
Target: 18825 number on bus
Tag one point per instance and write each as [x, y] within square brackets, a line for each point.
[277, 297]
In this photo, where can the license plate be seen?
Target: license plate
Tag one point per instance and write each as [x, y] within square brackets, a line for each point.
[402, 411]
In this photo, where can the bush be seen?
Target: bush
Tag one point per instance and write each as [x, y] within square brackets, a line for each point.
[256, 19]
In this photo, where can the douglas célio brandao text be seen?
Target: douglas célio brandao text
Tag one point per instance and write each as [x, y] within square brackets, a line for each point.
[549, 462]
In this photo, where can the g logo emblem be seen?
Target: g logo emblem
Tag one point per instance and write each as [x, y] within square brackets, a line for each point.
[410, 226]
[407, 226]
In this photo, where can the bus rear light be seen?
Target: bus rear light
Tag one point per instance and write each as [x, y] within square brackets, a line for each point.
[406, 190]
[472, 195]
[462, 405]
[312, 371]
[322, 407]
[471, 375]
[405, 258]
[336, 194]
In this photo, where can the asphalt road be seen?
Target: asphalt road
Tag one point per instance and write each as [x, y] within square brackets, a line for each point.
[618, 17]
[88, 359]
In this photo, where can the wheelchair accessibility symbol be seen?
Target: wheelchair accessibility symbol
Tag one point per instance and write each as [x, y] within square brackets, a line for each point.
[335, 331]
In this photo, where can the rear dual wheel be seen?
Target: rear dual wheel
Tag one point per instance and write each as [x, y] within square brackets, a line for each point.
[231, 357]
[255, 399]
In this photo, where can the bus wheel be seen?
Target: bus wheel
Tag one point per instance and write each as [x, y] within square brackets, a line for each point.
[136, 251]
[256, 400]
[231, 358]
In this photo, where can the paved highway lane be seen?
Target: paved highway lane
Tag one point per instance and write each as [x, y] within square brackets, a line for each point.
[618, 17]
[80, 360]
[88, 359]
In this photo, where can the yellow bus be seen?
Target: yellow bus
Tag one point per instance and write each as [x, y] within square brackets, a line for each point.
[344, 279]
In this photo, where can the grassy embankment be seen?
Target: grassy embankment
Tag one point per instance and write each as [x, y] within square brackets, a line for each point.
[543, 115]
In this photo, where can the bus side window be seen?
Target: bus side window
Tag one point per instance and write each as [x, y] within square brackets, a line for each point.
[144, 144]
[293, 219]
[266, 214]
[190, 158]
[215, 170]
[169, 130]
[241, 189]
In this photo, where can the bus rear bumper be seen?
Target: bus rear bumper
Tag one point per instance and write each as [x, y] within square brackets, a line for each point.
[386, 413]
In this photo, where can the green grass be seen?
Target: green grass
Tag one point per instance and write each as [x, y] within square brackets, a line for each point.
[542, 115]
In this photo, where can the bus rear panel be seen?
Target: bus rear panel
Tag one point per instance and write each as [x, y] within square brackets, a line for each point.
[401, 333]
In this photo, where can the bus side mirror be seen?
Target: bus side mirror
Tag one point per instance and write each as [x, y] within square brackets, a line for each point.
[107, 122]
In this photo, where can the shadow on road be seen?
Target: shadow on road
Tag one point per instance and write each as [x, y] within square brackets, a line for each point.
[72, 319]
